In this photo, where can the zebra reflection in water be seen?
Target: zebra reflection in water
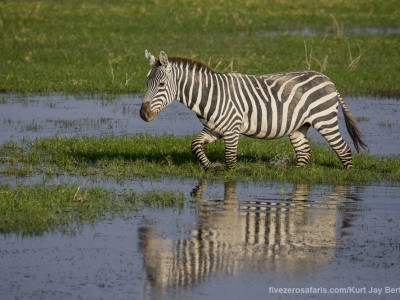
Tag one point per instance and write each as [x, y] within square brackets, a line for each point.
[295, 236]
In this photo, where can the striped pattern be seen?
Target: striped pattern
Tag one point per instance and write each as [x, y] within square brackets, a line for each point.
[264, 107]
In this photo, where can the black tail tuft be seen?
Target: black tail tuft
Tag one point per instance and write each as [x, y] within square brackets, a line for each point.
[352, 127]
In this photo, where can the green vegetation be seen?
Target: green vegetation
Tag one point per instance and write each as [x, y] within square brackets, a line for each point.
[97, 46]
[127, 156]
[40, 208]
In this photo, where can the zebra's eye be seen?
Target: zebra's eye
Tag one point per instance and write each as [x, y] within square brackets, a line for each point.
[161, 84]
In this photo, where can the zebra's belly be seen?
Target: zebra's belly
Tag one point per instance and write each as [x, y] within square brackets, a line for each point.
[251, 129]
[264, 134]
[264, 130]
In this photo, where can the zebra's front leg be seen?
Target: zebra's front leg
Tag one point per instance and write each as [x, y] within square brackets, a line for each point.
[231, 143]
[205, 137]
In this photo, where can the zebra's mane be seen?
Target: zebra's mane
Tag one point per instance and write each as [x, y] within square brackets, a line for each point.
[187, 62]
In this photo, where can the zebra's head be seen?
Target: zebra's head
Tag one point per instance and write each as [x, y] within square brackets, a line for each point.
[161, 88]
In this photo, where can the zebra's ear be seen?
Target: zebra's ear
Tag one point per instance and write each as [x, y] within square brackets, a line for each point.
[150, 57]
[164, 59]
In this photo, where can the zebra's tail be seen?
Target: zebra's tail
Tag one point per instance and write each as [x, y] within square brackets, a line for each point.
[352, 127]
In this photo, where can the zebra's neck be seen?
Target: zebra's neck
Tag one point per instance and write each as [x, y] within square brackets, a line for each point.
[194, 84]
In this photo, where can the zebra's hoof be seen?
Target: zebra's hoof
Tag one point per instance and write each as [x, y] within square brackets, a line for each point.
[216, 167]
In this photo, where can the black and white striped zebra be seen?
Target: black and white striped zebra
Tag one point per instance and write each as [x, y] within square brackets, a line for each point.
[266, 107]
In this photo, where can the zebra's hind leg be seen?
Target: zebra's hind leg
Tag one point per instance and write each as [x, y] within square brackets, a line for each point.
[300, 144]
[332, 135]
[203, 138]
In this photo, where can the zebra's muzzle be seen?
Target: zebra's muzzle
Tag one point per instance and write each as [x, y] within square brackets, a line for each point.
[146, 113]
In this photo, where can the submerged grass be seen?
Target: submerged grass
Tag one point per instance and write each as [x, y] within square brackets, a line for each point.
[33, 210]
[143, 155]
[97, 46]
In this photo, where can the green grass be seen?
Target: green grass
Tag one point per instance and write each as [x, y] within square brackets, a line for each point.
[98, 46]
[142, 155]
[33, 210]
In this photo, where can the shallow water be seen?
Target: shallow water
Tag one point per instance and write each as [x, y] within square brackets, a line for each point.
[232, 240]
[40, 116]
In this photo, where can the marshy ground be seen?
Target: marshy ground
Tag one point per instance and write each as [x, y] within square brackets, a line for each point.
[92, 225]
[228, 240]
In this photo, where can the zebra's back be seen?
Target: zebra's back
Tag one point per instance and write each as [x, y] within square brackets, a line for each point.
[280, 103]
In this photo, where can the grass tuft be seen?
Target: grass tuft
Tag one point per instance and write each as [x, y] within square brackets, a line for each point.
[33, 210]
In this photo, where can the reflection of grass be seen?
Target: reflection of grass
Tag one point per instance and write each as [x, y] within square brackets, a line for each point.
[33, 126]
[126, 156]
[97, 46]
[386, 124]
[362, 119]
[39, 208]
[83, 122]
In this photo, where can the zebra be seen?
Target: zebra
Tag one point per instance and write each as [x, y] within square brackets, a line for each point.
[264, 107]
